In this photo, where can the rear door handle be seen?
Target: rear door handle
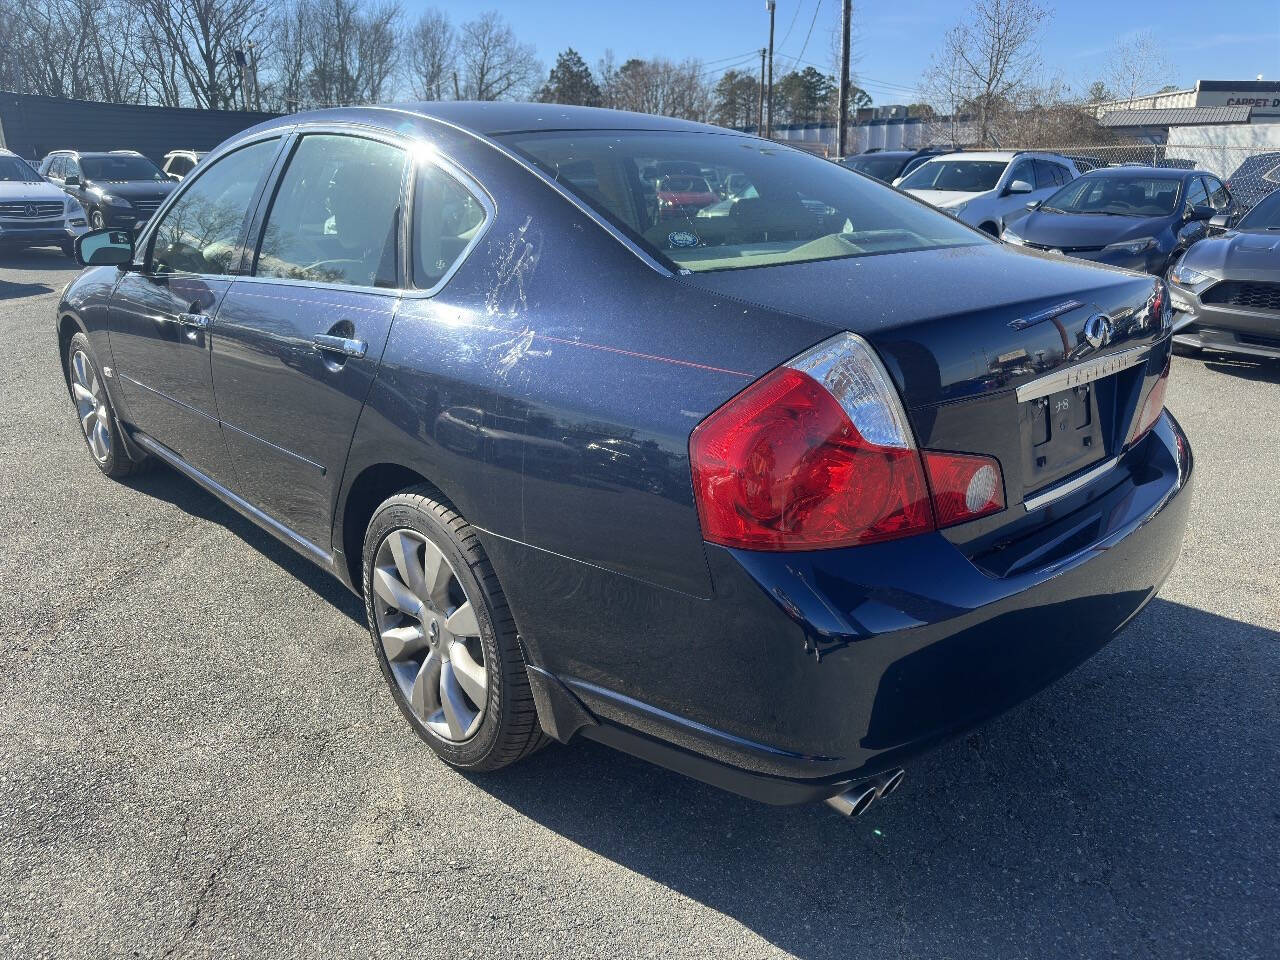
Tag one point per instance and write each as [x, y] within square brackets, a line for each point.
[197, 320]
[348, 348]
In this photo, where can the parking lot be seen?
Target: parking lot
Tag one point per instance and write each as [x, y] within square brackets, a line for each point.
[199, 757]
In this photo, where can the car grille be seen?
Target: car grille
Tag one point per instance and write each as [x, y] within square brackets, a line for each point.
[1239, 293]
[145, 208]
[38, 210]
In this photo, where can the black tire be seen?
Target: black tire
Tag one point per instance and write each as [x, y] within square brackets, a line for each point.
[68, 249]
[116, 463]
[509, 730]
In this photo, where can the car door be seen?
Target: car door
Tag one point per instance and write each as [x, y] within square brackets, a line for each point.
[161, 313]
[299, 338]
[1007, 203]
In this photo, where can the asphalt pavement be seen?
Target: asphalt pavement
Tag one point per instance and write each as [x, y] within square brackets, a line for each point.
[198, 756]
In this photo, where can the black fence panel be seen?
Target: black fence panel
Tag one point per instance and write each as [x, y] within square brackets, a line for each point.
[31, 126]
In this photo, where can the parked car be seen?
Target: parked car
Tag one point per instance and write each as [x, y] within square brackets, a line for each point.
[1142, 218]
[888, 165]
[682, 196]
[178, 163]
[797, 497]
[983, 189]
[117, 188]
[34, 212]
[1225, 290]
[1257, 177]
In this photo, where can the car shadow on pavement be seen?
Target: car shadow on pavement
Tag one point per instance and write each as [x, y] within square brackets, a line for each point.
[165, 484]
[45, 261]
[1262, 370]
[1135, 802]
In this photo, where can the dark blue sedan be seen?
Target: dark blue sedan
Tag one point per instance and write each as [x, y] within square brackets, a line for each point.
[1142, 218]
[776, 488]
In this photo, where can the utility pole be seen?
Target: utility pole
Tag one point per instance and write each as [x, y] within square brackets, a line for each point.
[771, 6]
[842, 124]
[253, 73]
[760, 121]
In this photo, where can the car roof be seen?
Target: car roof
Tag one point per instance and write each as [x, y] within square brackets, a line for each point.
[490, 119]
[1154, 173]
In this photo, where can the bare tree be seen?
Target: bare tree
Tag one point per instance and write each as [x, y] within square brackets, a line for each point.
[986, 61]
[431, 58]
[1137, 66]
[189, 47]
[662, 87]
[495, 65]
[287, 62]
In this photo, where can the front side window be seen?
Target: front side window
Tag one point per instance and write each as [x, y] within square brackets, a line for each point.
[1125, 196]
[708, 201]
[1197, 195]
[964, 176]
[120, 168]
[1022, 170]
[447, 219]
[1219, 198]
[201, 232]
[335, 215]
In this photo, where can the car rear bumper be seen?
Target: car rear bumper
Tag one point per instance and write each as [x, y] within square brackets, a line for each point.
[841, 664]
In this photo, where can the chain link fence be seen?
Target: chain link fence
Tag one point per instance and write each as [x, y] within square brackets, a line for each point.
[1249, 172]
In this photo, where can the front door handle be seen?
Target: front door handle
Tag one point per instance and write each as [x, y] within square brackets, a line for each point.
[197, 320]
[347, 347]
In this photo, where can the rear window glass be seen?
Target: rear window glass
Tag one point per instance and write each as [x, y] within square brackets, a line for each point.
[706, 201]
[882, 168]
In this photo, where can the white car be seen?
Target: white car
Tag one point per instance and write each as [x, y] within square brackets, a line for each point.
[983, 189]
[34, 212]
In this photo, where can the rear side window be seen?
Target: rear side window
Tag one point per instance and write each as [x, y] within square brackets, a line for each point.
[336, 213]
[448, 218]
[201, 232]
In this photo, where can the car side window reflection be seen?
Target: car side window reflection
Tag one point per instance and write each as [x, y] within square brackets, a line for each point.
[335, 215]
[447, 218]
[201, 232]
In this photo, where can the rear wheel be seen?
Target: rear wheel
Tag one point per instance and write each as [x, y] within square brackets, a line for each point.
[93, 409]
[444, 635]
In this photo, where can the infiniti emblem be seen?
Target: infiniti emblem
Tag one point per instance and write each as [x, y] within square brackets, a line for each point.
[1097, 331]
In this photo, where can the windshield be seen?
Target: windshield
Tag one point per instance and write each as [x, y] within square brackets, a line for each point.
[1265, 214]
[1125, 196]
[882, 168]
[771, 204]
[963, 176]
[119, 169]
[15, 170]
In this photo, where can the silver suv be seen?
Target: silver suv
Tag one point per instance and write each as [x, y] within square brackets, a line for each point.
[34, 212]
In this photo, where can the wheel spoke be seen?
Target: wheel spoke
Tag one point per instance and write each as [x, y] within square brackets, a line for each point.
[82, 393]
[404, 549]
[462, 622]
[88, 420]
[389, 588]
[470, 675]
[424, 698]
[78, 365]
[93, 383]
[437, 574]
[401, 642]
[456, 712]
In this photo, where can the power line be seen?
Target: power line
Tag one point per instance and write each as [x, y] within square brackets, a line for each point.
[805, 46]
[794, 17]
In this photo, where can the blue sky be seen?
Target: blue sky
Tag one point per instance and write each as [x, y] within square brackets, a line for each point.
[1237, 41]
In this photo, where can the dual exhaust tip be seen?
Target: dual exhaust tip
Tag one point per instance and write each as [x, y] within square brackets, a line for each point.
[857, 800]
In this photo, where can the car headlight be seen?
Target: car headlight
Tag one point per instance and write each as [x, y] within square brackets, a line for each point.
[73, 213]
[1131, 246]
[1008, 236]
[1187, 277]
[956, 208]
[107, 198]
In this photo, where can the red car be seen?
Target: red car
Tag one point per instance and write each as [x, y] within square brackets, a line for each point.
[681, 195]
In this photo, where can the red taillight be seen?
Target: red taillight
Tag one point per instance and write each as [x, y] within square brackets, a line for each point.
[816, 454]
[1153, 407]
[965, 486]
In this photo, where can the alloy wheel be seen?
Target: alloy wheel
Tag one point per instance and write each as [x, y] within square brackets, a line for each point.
[91, 406]
[429, 633]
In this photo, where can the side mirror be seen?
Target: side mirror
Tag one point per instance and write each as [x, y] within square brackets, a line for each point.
[1201, 212]
[104, 248]
[71, 180]
[1019, 186]
[1220, 222]
[1034, 204]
